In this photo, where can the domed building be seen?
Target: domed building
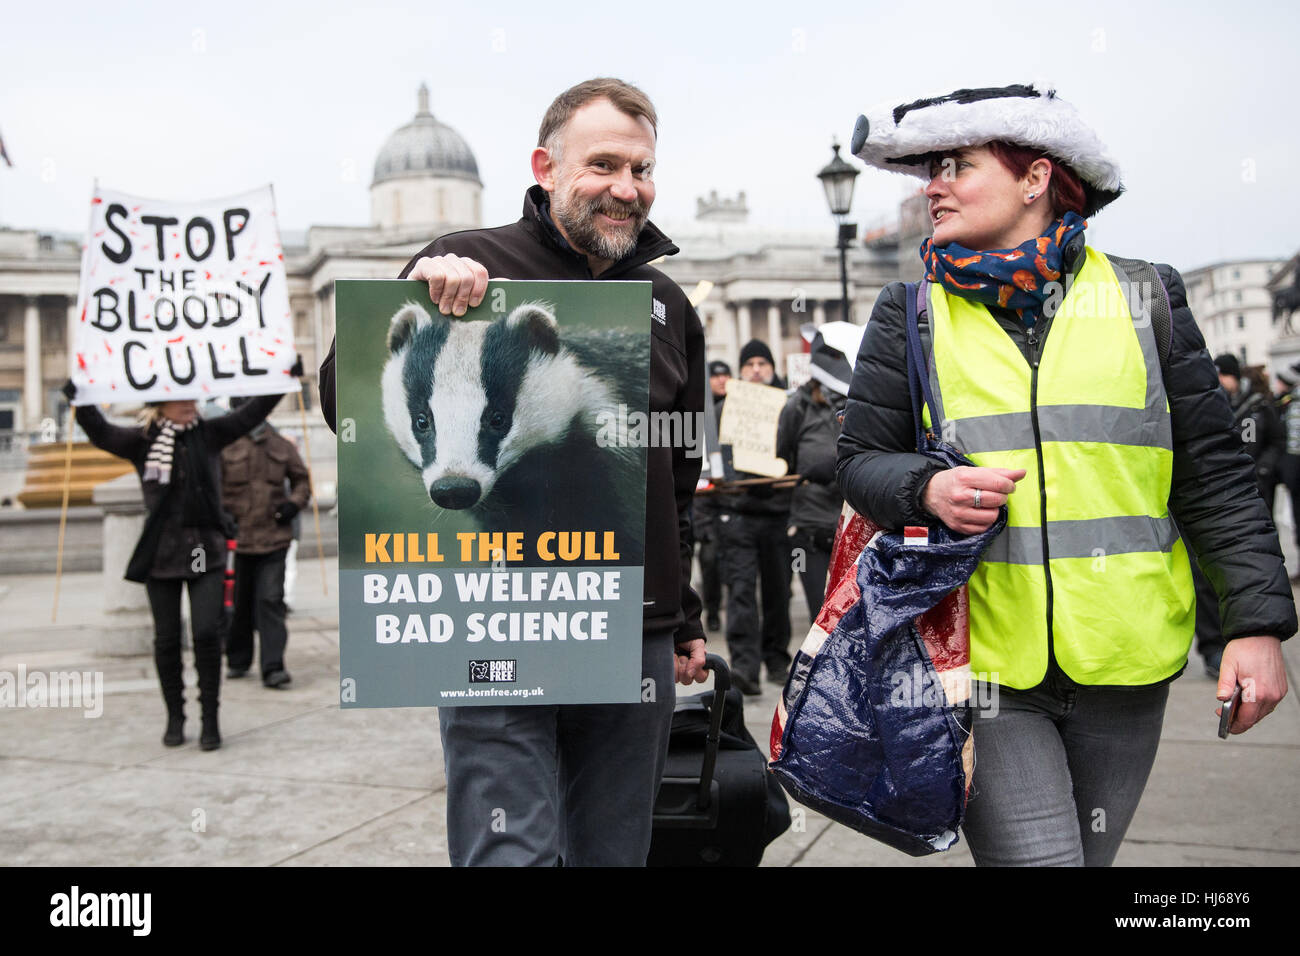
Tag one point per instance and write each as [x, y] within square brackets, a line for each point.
[426, 175]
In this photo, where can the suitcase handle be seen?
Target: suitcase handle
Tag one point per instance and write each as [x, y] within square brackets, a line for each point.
[721, 684]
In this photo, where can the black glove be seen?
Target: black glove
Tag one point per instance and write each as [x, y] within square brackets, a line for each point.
[69, 390]
[286, 512]
[296, 371]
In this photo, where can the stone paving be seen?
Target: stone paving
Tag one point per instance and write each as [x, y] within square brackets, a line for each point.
[300, 782]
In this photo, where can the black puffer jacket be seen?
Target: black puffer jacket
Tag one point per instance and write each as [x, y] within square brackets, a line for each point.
[805, 438]
[193, 520]
[532, 249]
[1213, 497]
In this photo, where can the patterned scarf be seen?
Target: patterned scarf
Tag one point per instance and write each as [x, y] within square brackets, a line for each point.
[1016, 278]
[158, 463]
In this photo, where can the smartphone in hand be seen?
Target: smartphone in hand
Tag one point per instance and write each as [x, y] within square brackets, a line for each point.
[1227, 711]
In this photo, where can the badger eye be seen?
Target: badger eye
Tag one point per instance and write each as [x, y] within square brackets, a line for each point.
[422, 422]
[497, 421]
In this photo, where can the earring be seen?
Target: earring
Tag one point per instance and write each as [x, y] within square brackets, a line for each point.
[1031, 196]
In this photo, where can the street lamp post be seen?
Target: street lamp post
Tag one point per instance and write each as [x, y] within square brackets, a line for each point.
[838, 181]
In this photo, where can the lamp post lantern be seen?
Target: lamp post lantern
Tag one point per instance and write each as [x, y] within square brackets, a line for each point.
[838, 180]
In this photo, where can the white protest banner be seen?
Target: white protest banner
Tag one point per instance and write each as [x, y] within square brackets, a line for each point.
[748, 425]
[182, 300]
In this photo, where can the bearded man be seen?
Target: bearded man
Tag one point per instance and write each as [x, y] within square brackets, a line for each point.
[536, 785]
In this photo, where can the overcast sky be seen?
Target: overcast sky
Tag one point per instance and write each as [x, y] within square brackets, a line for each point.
[186, 100]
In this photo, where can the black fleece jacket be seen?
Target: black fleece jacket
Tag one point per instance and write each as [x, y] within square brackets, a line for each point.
[532, 249]
[1213, 498]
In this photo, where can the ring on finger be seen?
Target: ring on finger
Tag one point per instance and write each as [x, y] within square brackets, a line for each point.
[977, 498]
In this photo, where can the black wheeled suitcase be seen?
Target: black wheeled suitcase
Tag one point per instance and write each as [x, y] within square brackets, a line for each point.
[718, 805]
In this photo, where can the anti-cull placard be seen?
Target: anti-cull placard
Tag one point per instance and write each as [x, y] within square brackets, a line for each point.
[492, 474]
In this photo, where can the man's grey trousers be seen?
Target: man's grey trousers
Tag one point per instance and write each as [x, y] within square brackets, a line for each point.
[529, 786]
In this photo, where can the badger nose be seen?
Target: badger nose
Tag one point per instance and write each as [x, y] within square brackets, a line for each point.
[454, 492]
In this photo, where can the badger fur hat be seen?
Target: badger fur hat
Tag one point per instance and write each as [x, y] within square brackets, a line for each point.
[905, 138]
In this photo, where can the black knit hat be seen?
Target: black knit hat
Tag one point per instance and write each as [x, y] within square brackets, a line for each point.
[718, 367]
[756, 349]
[1228, 365]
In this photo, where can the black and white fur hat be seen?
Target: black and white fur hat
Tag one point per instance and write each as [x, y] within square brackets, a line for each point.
[905, 138]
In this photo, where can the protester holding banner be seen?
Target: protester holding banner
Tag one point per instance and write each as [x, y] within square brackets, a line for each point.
[757, 561]
[1079, 385]
[176, 454]
[182, 301]
[537, 784]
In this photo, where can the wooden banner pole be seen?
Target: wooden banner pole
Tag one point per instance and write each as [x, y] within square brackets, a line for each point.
[63, 518]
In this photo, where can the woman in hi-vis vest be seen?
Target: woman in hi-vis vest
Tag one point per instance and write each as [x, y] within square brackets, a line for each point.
[1079, 386]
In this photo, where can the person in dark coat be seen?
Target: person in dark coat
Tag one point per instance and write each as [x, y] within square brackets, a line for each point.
[1079, 387]
[756, 561]
[806, 437]
[255, 470]
[176, 454]
[1288, 470]
[704, 510]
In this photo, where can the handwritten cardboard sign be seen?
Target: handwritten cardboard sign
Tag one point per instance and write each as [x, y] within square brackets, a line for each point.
[182, 300]
[748, 425]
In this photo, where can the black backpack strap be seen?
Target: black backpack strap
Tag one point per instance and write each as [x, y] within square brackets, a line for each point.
[1143, 275]
[918, 370]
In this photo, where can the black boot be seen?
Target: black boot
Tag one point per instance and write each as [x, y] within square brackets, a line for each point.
[174, 735]
[168, 661]
[207, 660]
[210, 737]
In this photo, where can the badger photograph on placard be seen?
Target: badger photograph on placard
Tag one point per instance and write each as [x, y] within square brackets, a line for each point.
[510, 420]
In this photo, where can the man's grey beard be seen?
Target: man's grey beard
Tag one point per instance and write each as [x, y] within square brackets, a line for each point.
[579, 224]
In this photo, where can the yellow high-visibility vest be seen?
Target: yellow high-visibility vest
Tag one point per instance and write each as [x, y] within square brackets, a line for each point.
[1090, 568]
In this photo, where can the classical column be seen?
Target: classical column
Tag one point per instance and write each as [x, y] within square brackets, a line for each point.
[33, 401]
[819, 313]
[774, 338]
[743, 334]
[318, 329]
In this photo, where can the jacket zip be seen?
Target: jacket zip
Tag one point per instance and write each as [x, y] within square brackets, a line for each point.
[1042, 485]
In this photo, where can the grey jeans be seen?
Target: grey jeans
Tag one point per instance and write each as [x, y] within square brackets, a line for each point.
[1059, 771]
[528, 786]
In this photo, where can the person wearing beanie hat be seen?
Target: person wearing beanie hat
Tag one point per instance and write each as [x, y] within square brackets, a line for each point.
[1078, 386]
[756, 561]
[1228, 365]
[718, 367]
[756, 349]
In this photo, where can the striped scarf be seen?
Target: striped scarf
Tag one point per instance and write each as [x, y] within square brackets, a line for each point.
[158, 463]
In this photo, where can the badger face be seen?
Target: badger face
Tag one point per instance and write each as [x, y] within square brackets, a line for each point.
[465, 399]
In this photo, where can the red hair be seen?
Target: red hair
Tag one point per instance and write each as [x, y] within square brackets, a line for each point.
[1064, 191]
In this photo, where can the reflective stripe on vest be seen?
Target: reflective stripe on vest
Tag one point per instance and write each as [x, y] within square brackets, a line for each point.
[1118, 579]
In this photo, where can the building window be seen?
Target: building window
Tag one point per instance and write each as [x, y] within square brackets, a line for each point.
[1236, 273]
[1236, 296]
[1241, 321]
[1244, 360]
